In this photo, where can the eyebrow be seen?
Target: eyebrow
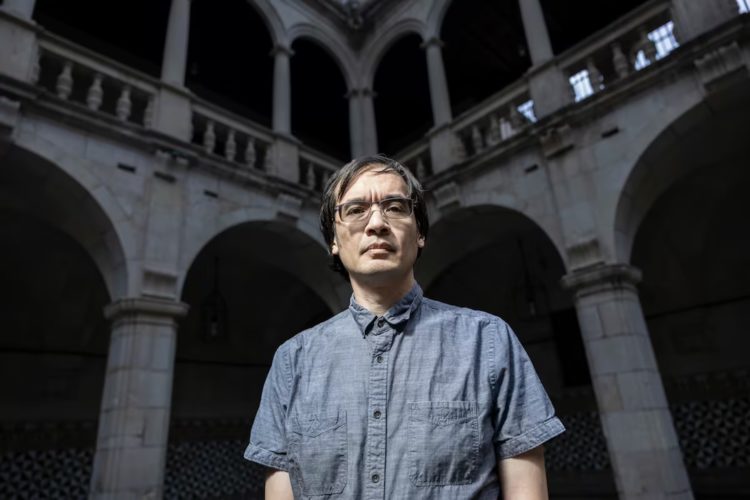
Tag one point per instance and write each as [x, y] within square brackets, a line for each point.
[386, 197]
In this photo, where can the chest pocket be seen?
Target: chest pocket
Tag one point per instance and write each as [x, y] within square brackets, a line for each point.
[318, 452]
[443, 443]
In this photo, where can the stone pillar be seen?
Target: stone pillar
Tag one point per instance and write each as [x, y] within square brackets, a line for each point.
[131, 446]
[369, 128]
[356, 138]
[535, 28]
[693, 18]
[21, 8]
[282, 95]
[548, 86]
[441, 103]
[174, 61]
[641, 438]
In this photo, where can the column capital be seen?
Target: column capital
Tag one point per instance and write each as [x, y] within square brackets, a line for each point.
[432, 41]
[281, 48]
[600, 277]
[129, 306]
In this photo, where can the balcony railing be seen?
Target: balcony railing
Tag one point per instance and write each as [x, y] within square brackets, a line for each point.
[78, 75]
[315, 168]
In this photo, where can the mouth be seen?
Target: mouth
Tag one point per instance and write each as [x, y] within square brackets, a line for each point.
[381, 246]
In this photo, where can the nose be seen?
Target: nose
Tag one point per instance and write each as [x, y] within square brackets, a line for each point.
[376, 224]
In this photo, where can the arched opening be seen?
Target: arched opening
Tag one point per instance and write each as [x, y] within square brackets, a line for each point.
[54, 340]
[694, 252]
[228, 58]
[402, 103]
[320, 111]
[484, 51]
[497, 260]
[133, 33]
[244, 301]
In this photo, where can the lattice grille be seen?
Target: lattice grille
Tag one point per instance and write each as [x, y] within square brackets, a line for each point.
[714, 434]
[63, 474]
[581, 447]
[207, 469]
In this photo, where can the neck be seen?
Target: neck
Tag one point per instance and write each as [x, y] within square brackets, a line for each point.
[378, 298]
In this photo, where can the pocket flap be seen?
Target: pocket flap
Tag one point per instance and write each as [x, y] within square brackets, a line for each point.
[316, 424]
[443, 412]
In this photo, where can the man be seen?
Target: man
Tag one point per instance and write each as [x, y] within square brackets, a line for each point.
[399, 396]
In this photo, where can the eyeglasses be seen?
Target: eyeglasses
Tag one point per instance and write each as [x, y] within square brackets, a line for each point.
[390, 208]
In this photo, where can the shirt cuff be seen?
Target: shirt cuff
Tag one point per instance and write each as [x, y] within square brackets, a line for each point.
[267, 458]
[529, 439]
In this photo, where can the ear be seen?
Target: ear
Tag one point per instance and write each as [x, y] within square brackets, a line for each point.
[334, 247]
[420, 242]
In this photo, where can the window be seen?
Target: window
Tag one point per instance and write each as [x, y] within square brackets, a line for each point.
[664, 41]
[527, 110]
[581, 85]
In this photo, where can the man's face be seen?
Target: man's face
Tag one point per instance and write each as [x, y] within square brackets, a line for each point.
[379, 251]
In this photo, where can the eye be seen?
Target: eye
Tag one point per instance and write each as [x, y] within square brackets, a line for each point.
[395, 207]
[354, 209]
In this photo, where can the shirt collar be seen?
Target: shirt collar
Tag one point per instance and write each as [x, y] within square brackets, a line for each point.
[396, 316]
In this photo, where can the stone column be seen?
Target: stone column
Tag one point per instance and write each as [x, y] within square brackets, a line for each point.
[441, 103]
[693, 18]
[131, 446]
[369, 129]
[21, 8]
[356, 139]
[282, 96]
[174, 61]
[535, 28]
[548, 86]
[641, 438]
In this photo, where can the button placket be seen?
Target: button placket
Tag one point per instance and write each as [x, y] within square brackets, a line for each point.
[376, 425]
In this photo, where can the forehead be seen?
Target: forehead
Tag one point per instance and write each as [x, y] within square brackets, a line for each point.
[376, 183]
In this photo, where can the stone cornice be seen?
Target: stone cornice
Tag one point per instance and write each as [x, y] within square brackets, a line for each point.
[151, 307]
[600, 277]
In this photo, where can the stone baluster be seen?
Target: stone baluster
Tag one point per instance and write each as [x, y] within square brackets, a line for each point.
[148, 113]
[123, 107]
[310, 175]
[64, 84]
[230, 148]
[517, 120]
[94, 96]
[506, 129]
[250, 153]
[421, 169]
[494, 134]
[209, 137]
[648, 47]
[476, 139]
[619, 61]
[595, 76]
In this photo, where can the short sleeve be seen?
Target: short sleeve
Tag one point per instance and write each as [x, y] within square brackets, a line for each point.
[523, 417]
[268, 436]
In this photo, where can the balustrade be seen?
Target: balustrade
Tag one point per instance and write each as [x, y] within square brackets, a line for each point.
[315, 170]
[630, 44]
[417, 159]
[77, 75]
[221, 134]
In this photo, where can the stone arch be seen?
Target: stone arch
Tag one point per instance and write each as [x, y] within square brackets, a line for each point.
[436, 16]
[650, 176]
[274, 23]
[68, 193]
[376, 50]
[302, 233]
[338, 51]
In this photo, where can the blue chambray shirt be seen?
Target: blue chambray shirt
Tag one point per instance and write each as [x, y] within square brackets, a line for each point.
[420, 403]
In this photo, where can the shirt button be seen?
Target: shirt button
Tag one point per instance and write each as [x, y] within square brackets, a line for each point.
[379, 359]
[375, 478]
[381, 322]
[376, 414]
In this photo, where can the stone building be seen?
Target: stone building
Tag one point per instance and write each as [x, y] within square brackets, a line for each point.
[161, 164]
